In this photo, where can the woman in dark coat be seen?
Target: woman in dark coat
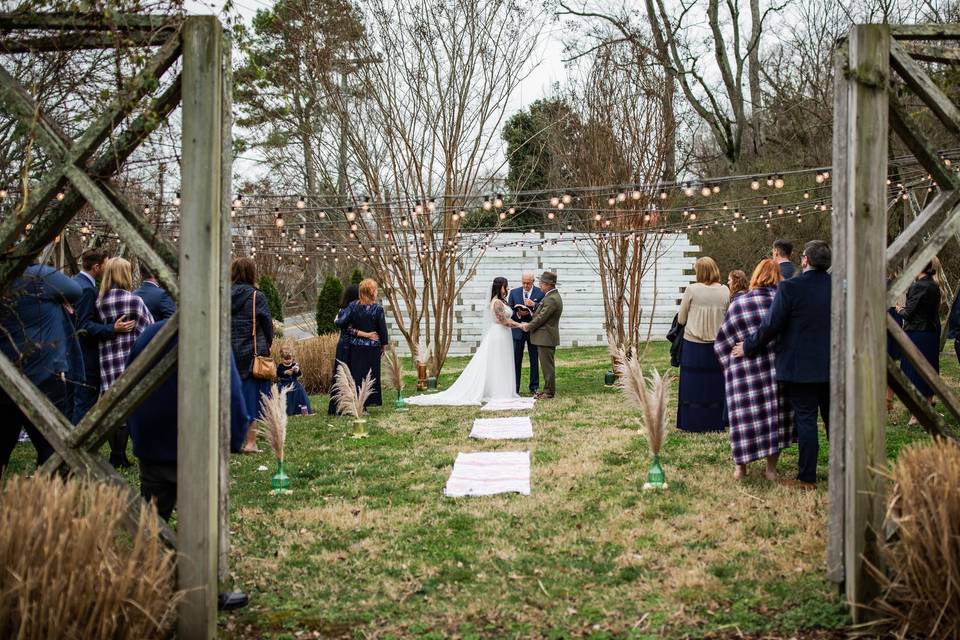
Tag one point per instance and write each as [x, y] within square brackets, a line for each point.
[365, 316]
[244, 298]
[350, 294]
[921, 321]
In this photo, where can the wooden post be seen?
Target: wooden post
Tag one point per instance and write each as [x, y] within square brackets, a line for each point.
[201, 252]
[863, 257]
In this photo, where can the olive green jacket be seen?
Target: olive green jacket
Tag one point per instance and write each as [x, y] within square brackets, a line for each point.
[544, 327]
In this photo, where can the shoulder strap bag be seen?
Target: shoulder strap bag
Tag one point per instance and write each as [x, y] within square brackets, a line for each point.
[264, 368]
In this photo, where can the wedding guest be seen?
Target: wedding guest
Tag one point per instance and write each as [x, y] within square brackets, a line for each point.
[351, 293]
[117, 301]
[90, 331]
[523, 300]
[782, 250]
[737, 283]
[288, 376]
[158, 301]
[953, 326]
[760, 423]
[34, 337]
[701, 404]
[251, 334]
[921, 322]
[799, 319]
[365, 353]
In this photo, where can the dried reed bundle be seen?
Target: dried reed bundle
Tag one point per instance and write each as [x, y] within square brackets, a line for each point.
[921, 589]
[317, 357]
[68, 569]
[394, 369]
[349, 398]
[273, 426]
[649, 395]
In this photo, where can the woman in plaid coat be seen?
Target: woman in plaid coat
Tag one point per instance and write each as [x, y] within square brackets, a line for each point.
[760, 423]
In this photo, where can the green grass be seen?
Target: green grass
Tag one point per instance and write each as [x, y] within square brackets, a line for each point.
[368, 546]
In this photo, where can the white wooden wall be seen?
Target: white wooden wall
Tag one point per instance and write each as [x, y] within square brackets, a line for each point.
[582, 323]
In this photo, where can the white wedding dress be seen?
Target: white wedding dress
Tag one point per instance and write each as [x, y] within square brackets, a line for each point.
[489, 374]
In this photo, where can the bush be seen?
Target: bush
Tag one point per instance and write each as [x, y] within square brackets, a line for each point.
[273, 297]
[921, 589]
[316, 357]
[328, 303]
[356, 277]
[69, 570]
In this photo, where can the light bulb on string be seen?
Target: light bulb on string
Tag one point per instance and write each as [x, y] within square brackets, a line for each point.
[806, 195]
[550, 215]
[770, 181]
[237, 202]
[687, 189]
[611, 201]
[726, 207]
[560, 205]
[316, 234]
[366, 203]
[819, 178]
[60, 196]
[736, 214]
[301, 204]
[621, 197]
[706, 191]
[663, 194]
[778, 182]
[249, 231]
[498, 201]
[765, 200]
[554, 201]
[755, 184]
[432, 205]
[716, 188]
[487, 205]
[597, 217]
[418, 208]
[278, 219]
[176, 200]
[146, 209]
[351, 216]
[567, 198]
[636, 195]
[780, 210]
[503, 215]
[322, 214]
[302, 230]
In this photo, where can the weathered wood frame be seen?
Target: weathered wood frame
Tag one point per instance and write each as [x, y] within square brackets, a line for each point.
[866, 68]
[83, 172]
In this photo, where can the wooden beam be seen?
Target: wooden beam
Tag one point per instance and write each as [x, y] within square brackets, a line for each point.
[925, 88]
[84, 41]
[201, 253]
[921, 148]
[949, 31]
[924, 253]
[916, 404]
[20, 20]
[838, 333]
[924, 225]
[864, 259]
[930, 53]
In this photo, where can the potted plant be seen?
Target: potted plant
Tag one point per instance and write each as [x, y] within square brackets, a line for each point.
[395, 376]
[651, 396]
[273, 426]
[350, 398]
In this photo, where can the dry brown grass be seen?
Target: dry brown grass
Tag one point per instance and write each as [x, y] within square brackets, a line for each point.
[70, 571]
[921, 591]
[316, 357]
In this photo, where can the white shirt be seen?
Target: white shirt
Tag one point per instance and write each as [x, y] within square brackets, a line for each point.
[89, 277]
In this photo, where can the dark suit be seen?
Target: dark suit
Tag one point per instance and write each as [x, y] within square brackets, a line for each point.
[521, 338]
[799, 319]
[91, 333]
[157, 300]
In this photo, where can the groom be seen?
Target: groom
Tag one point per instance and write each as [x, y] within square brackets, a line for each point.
[523, 300]
[544, 330]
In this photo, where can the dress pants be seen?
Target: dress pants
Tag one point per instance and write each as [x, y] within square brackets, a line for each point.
[806, 399]
[55, 389]
[547, 355]
[532, 349]
[158, 480]
[85, 395]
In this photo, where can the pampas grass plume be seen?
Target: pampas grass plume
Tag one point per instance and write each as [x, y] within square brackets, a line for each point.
[273, 425]
[650, 395]
[394, 369]
[349, 398]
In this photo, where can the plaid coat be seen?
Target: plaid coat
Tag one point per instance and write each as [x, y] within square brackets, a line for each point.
[760, 422]
[114, 352]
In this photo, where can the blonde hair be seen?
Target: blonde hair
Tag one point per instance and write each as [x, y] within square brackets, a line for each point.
[117, 274]
[766, 274]
[368, 291]
[707, 270]
[941, 281]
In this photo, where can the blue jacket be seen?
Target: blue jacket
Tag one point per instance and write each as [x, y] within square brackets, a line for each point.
[34, 333]
[158, 301]
[514, 298]
[799, 318]
[90, 330]
[153, 425]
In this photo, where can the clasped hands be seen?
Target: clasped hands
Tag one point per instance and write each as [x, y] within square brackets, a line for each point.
[524, 326]
[737, 351]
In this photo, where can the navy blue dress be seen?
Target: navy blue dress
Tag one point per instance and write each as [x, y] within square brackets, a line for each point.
[365, 354]
[297, 399]
[921, 321]
[343, 355]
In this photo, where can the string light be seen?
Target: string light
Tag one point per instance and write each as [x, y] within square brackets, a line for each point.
[769, 181]
[301, 204]
[176, 200]
[278, 219]
[237, 202]
[60, 196]
[432, 205]
[498, 201]
[302, 230]
[487, 205]
[554, 201]
[663, 194]
[778, 182]
[567, 198]
[687, 189]
[706, 191]
[3, 194]
[755, 183]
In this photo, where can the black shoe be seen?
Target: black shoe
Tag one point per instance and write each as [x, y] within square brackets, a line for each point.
[228, 601]
[120, 462]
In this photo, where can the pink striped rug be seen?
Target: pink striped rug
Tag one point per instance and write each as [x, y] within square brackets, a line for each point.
[488, 473]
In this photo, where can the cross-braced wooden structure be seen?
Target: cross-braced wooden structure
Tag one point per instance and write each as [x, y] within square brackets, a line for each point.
[874, 69]
[195, 273]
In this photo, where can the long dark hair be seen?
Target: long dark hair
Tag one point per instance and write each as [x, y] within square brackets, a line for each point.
[496, 290]
[351, 293]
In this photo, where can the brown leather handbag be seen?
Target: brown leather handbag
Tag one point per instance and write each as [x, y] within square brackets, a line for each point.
[264, 368]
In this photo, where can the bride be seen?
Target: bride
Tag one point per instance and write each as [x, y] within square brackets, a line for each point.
[489, 374]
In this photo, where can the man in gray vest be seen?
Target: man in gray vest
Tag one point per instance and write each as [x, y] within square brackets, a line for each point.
[544, 329]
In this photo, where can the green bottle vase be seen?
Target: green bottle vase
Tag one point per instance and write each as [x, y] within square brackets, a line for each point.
[432, 383]
[655, 477]
[280, 480]
[400, 404]
[609, 379]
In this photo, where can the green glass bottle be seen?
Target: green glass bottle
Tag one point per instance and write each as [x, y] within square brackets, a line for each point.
[280, 481]
[655, 477]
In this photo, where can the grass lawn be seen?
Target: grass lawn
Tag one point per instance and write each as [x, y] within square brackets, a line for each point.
[368, 546]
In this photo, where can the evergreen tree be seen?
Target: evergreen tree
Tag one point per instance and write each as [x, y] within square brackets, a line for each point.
[356, 276]
[328, 303]
[273, 297]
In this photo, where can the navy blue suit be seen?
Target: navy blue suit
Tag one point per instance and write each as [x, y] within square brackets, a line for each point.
[521, 338]
[799, 319]
[91, 333]
[157, 300]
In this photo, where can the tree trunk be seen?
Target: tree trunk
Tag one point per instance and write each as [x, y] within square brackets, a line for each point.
[753, 74]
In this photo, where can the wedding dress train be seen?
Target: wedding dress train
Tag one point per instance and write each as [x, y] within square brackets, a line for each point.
[489, 374]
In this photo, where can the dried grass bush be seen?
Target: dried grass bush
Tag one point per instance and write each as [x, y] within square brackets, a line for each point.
[650, 395]
[68, 569]
[316, 357]
[921, 588]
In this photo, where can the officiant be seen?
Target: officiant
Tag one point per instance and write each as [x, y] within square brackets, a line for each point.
[524, 300]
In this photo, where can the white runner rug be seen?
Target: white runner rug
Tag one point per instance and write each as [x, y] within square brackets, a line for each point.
[488, 473]
[509, 404]
[517, 427]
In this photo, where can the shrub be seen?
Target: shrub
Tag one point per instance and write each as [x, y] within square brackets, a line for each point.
[356, 277]
[273, 297]
[328, 303]
[316, 357]
[69, 570]
[921, 589]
